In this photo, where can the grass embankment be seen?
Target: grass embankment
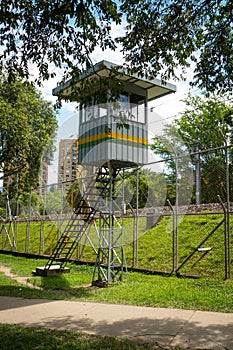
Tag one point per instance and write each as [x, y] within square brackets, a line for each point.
[155, 246]
[138, 289]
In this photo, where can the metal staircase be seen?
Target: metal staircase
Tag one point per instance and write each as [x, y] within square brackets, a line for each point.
[84, 207]
[72, 235]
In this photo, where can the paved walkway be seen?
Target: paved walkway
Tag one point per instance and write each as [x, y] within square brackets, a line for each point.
[187, 328]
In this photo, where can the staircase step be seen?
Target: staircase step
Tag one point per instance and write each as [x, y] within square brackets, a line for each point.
[52, 270]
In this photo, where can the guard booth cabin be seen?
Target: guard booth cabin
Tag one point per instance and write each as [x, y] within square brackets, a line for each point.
[115, 133]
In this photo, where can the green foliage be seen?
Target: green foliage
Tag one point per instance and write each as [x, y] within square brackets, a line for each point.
[160, 37]
[207, 119]
[29, 201]
[53, 201]
[2, 212]
[28, 124]
[164, 36]
[3, 205]
[178, 168]
[206, 124]
[74, 194]
[151, 188]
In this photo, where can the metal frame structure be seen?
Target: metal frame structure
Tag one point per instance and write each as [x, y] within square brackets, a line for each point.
[110, 261]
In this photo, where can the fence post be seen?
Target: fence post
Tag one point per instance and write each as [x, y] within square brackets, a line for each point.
[42, 222]
[173, 237]
[228, 213]
[226, 219]
[27, 242]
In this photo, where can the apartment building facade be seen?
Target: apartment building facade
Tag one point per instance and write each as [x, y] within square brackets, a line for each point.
[67, 162]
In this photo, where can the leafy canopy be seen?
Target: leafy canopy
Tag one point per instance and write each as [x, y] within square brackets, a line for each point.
[159, 37]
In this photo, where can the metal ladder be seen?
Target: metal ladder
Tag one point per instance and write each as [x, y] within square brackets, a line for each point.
[83, 215]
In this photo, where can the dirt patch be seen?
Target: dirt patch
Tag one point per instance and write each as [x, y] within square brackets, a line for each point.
[21, 280]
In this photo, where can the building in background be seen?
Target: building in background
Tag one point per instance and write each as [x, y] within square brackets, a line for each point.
[67, 162]
[43, 178]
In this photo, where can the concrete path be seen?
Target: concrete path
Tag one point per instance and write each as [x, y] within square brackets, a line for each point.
[186, 328]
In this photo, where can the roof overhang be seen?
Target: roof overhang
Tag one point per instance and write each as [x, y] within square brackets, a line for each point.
[154, 88]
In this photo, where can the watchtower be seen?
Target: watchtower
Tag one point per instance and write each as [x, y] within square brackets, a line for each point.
[113, 136]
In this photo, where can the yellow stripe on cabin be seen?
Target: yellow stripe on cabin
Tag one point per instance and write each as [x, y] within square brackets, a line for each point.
[113, 135]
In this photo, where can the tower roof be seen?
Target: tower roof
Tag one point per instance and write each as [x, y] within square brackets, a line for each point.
[155, 88]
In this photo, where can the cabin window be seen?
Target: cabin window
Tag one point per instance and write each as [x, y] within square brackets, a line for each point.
[132, 105]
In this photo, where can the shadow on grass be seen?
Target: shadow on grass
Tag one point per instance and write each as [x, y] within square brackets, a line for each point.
[55, 283]
[15, 338]
[61, 286]
[47, 294]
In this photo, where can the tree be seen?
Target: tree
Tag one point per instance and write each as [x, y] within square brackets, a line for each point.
[151, 188]
[54, 200]
[205, 127]
[208, 119]
[160, 37]
[28, 125]
[29, 203]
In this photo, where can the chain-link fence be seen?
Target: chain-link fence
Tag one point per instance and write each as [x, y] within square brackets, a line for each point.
[177, 219]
